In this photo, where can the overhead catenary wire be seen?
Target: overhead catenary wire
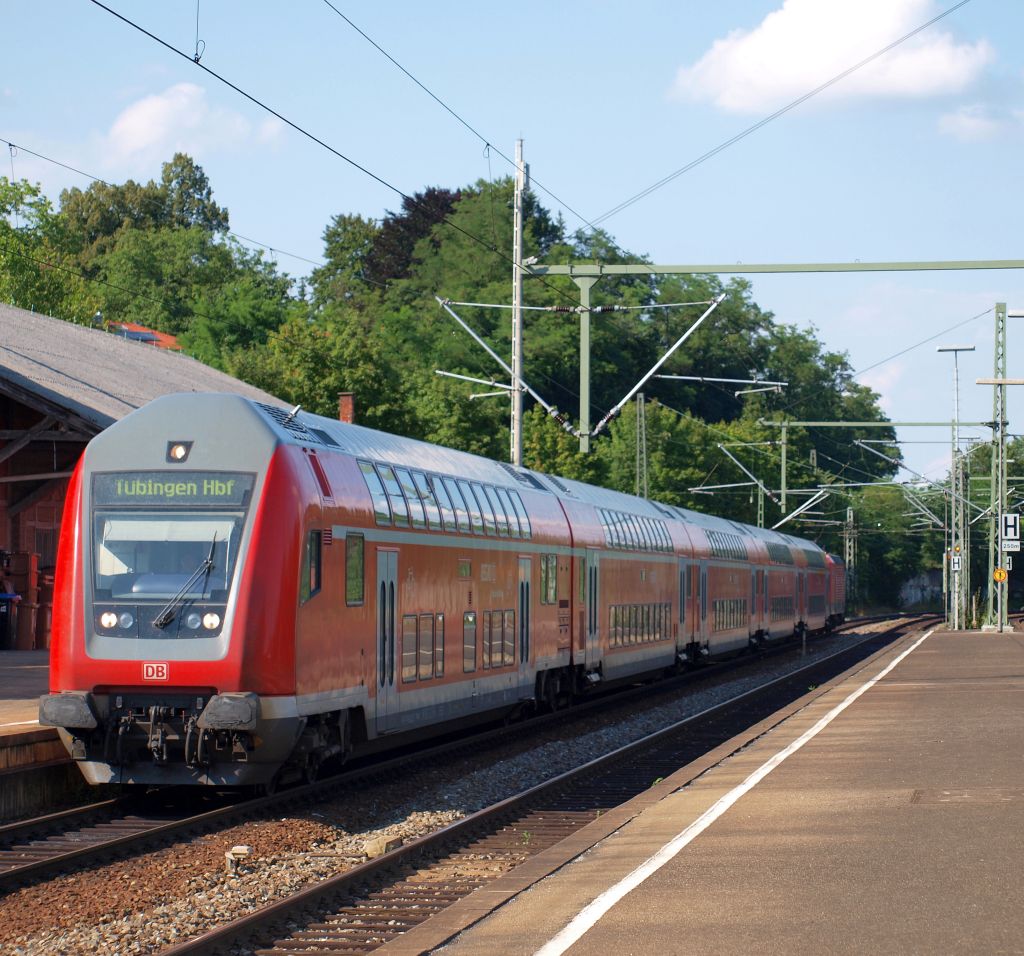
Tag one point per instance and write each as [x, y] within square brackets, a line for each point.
[664, 181]
[440, 102]
[153, 201]
[447, 220]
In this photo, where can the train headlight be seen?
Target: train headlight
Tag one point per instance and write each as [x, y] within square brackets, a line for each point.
[193, 620]
[125, 620]
[211, 621]
[108, 619]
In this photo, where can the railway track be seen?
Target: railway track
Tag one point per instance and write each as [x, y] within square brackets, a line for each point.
[374, 903]
[89, 836]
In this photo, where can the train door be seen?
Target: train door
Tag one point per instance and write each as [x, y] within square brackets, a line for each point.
[525, 570]
[684, 622]
[703, 628]
[387, 691]
[592, 655]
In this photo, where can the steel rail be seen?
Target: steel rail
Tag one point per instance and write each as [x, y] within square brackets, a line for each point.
[335, 892]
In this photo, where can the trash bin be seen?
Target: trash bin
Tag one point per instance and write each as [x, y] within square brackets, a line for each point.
[8, 628]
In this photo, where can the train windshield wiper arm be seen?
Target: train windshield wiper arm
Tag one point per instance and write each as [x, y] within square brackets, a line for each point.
[168, 611]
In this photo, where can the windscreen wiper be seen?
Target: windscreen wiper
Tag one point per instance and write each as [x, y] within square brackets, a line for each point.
[168, 611]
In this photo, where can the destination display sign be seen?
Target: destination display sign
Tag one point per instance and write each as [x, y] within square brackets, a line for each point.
[230, 489]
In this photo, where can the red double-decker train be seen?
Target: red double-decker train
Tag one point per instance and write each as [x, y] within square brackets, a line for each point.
[242, 591]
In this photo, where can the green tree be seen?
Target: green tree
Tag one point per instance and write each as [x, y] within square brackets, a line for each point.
[35, 271]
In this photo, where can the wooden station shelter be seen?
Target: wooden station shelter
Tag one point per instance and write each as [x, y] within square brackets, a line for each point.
[60, 384]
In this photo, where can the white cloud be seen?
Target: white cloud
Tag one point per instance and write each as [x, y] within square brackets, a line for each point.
[807, 42]
[971, 124]
[270, 131]
[180, 119]
[886, 380]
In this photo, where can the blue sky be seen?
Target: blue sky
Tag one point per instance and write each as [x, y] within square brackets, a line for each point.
[915, 157]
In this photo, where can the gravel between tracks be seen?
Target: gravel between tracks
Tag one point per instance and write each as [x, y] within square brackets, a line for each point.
[144, 904]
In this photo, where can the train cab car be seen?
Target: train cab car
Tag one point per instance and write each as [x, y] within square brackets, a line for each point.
[242, 588]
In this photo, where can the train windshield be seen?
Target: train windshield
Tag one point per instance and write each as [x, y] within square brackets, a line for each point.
[156, 536]
[150, 555]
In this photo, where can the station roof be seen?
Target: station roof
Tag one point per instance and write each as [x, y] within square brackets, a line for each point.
[89, 378]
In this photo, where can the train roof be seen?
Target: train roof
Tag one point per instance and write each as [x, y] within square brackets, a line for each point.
[305, 428]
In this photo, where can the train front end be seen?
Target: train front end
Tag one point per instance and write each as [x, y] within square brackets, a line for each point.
[171, 661]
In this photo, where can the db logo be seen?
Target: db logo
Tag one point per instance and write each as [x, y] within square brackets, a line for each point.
[153, 670]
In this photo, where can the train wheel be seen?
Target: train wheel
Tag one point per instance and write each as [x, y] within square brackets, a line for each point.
[311, 770]
[266, 789]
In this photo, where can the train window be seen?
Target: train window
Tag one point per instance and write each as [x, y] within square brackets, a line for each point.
[639, 532]
[510, 513]
[612, 625]
[605, 525]
[444, 502]
[399, 508]
[682, 597]
[430, 505]
[469, 642]
[485, 508]
[354, 570]
[439, 646]
[492, 624]
[426, 645]
[412, 496]
[524, 519]
[408, 648]
[647, 533]
[548, 579]
[460, 506]
[381, 508]
[613, 529]
[500, 518]
[472, 506]
[508, 638]
[311, 566]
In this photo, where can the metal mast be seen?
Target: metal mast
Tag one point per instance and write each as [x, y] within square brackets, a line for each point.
[641, 447]
[994, 608]
[958, 556]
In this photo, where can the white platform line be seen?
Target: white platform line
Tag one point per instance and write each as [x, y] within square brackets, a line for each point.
[592, 912]
[20, 723]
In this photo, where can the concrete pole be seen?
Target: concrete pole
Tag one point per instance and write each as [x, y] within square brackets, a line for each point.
[516, 455]
[585, 283]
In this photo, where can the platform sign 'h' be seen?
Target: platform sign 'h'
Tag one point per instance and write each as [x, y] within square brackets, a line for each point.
[1011, 527]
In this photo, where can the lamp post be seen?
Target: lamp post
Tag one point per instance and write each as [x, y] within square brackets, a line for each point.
[959, 558]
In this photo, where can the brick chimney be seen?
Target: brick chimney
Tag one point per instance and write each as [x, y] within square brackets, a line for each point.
[347, 407]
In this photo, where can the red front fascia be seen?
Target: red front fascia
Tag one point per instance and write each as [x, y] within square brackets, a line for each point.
[261, 650]
[262, 655]
[66, 637]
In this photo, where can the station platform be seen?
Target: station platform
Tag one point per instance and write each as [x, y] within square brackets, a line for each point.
[35, 770]
[884, 812]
